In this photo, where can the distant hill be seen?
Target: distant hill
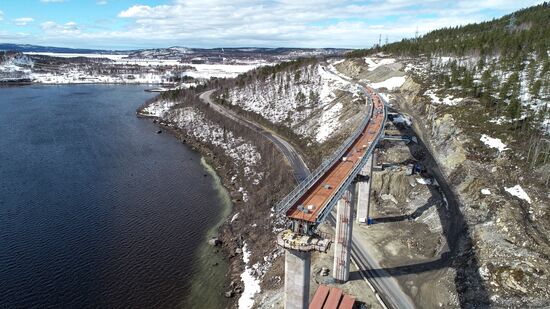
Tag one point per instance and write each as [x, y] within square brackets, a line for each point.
[177, 52]
[50, 49]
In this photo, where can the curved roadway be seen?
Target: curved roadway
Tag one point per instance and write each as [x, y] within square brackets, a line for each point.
[386, 286]
[299, 167]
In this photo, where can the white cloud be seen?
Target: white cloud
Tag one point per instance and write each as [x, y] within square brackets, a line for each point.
[1, 15]
[101, 2]
[305, 23]
[70, 28]
[23, 21]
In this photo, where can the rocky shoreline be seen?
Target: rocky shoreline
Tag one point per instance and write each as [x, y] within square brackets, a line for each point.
[230, 239]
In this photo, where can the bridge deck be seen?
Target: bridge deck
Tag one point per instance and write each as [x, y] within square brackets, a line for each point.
[319, 195]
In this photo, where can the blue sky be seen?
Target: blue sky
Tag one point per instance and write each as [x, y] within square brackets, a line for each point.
[126, 24]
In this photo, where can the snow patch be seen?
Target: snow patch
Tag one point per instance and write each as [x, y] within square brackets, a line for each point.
[219, 70]
[385, 96]
[518, 192]
[402, 119]
[485, 191]
[424, 181]
[447, 100]
[390, 83]
[157, 109]
[329, 122]
[493, 142]
[251, 284]
[374, 63]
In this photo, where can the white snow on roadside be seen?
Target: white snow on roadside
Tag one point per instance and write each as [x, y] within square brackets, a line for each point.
[485, 191]
[447, 100]
[493, 142]
[235, 216]
[379, 62]
[518, 192]
[390, 83]
[251, 284]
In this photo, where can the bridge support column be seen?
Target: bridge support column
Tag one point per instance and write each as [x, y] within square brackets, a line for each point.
[297, 276]
[342, 247]
[363, 192]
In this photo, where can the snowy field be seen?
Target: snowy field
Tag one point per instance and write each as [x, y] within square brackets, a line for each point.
[76, 75]
[220, 70]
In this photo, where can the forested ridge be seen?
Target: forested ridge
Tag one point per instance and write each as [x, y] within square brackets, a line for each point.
[511, 36]
[502, 64]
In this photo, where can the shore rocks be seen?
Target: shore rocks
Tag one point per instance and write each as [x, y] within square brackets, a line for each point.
[215, 242]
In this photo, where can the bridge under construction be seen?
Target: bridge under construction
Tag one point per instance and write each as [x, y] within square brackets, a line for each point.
[312, 201]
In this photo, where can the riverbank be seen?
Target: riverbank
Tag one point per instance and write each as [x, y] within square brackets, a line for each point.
[245, 235]
[207, 288]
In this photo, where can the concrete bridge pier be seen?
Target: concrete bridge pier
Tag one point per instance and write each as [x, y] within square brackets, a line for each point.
[363, 191]
[297, 276]
[342, 241]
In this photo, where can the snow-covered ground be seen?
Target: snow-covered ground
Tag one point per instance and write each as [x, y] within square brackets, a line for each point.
[80, 77]
[402, 119]
[374, 63]
[292, 98]
[251, 283]
[219, 70]
[390, 83]
[158, 108]
[518, 192]
[531, 103]
[493, 142]
[447, 100]
[154, 71]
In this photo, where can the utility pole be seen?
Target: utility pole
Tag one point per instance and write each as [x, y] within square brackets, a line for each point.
[380, 40]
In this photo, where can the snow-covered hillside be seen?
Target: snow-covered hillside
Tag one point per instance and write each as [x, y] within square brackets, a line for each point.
[504, 84]
[15, 67]
[310, 100]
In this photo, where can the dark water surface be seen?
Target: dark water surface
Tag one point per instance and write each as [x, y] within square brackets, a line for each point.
[96, 210]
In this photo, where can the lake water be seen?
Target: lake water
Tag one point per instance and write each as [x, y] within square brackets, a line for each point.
[96, 209]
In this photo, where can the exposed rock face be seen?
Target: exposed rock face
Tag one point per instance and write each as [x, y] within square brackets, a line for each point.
[509, 235]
